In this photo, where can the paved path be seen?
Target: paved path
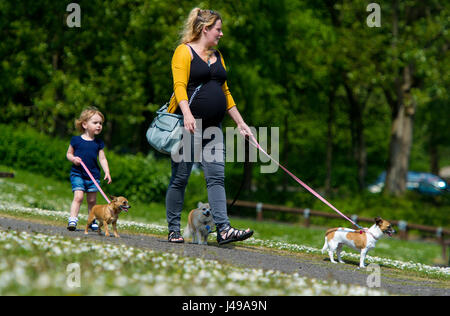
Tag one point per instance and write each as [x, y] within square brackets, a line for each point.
[252, 257]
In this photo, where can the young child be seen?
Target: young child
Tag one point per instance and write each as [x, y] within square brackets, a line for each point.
[86, 148]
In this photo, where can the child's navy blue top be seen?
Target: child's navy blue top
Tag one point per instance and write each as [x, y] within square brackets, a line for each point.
[87, 150]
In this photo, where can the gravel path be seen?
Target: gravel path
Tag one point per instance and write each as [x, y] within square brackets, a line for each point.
[251, 257]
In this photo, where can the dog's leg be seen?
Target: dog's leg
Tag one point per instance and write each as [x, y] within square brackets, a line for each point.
[114, 225]
[331, 254]
[199, 237]
[205, 239]
[106, 228]
[338, 253]
[100, 225]
[89, 222]
[194, 235]
[363, 257]
[331, 249]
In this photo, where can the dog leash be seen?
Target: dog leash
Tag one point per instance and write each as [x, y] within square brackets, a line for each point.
[95, 182]
[255, 143]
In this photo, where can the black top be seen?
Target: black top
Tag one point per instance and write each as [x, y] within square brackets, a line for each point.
[87, 150]
[209, 103]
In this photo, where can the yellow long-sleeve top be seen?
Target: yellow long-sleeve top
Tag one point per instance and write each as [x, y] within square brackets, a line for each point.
[181, 68]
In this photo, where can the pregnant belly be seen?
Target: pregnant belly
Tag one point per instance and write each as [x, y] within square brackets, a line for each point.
[210, 104]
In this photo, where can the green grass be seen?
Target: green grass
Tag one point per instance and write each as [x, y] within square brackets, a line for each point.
[33, 190]
[37, 264]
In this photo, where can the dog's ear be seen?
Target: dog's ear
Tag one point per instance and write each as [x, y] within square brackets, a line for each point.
[113, 198]
[378, 221]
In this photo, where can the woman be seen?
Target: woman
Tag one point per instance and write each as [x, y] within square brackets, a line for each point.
[195, 63]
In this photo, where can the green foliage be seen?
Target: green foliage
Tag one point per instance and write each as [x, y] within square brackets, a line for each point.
[291, 64]
[136, 177]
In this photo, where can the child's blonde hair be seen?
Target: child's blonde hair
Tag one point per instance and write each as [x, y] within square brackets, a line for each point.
[85, 116]
[195, 22]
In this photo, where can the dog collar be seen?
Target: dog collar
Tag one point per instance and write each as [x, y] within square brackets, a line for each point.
[365, 230]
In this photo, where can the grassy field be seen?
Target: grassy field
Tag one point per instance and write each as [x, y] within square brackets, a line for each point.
[37, 264]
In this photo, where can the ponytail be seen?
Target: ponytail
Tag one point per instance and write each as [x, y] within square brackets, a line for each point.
[195, 22]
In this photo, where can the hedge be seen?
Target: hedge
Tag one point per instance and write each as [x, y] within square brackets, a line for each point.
[137, 177]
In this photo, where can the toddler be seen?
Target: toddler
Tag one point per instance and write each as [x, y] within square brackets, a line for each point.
[86, 148]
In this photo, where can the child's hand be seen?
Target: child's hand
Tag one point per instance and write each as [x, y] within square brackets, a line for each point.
[108, 177]
[76, 161]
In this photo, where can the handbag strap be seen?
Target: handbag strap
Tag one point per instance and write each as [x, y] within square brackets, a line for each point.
[195, 92]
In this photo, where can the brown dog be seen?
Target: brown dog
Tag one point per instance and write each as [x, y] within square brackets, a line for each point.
[108, 214]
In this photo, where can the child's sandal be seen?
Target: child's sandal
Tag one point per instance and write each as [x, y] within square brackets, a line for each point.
[230, 234]
[175, 237]
[72, 225]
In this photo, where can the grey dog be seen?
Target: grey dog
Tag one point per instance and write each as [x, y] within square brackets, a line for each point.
[200, 223]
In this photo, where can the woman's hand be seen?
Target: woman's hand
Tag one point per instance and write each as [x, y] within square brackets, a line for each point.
[189, 123]
[244, 130]
[189, 120]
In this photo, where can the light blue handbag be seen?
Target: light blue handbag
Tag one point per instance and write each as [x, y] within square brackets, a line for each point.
[166, 130]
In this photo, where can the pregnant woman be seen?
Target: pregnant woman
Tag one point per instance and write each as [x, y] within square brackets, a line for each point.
[195, 63]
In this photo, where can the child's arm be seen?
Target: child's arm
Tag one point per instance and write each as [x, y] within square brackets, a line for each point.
[70, 156]
[104, 164]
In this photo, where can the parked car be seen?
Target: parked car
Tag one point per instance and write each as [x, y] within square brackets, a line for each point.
[422, 182]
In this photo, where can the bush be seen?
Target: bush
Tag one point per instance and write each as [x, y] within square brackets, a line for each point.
[136, 177]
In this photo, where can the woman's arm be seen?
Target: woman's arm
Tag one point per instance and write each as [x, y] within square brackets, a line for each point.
[232, 109]
[189, 120]
[181, 62]
[237, 118]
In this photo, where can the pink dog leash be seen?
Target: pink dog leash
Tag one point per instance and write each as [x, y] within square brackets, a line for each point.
[95, 182]
[254, 142]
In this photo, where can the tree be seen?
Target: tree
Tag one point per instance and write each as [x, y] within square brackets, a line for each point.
[417, 28]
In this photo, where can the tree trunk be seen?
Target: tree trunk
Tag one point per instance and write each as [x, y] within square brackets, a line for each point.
[357, 133]
[60, 121]
[401, 135]
[330, 140]
[286, 152]
[434, 158]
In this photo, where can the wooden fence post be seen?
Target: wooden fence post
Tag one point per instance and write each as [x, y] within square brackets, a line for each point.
[441, 240]
[403, 228]
[448, 244]
[354, 218]
[6, 175]
[259, 215]
[307, 215]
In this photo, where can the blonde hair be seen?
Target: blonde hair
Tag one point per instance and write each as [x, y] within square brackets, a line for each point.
[195, 22]
[86, 116]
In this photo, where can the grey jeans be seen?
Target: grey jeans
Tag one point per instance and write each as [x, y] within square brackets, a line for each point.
[214, 172]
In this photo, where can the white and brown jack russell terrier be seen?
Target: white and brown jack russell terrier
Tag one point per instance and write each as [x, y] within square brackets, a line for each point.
[362, 240]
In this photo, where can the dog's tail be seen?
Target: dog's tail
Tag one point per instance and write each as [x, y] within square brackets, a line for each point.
[187, 231]
[325, 245]
[332, 230]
